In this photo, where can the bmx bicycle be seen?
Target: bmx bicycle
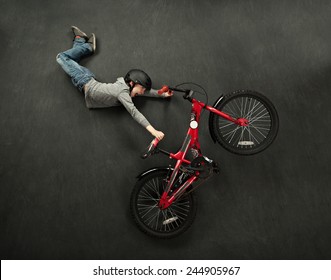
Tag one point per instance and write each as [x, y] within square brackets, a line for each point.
[163, 203]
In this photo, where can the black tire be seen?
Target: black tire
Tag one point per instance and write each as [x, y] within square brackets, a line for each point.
[261, 130]
[153, 221]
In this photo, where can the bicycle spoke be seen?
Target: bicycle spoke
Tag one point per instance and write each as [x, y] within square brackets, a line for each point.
[231, 133]
[258, 115]
[241, 137]
[230, 110]
[150, 219]
[252, 137]
[146, 209]
[259, 131]
[181, 211]
[147, 195]
[174, 216]
[253, 109]
[228, 123]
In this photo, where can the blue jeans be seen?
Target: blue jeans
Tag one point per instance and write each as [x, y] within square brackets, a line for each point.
[69, 62]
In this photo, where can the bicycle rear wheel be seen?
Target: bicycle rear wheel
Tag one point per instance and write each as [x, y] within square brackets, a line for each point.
[262, 125]
[154, 221]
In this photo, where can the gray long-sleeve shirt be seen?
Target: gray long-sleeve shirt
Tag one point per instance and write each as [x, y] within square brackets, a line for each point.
[101, 95]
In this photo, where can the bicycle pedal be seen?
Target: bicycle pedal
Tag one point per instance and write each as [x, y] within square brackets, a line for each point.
[170, 220]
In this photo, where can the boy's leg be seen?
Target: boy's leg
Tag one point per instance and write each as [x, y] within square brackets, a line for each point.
[69, 62]
[79, 50]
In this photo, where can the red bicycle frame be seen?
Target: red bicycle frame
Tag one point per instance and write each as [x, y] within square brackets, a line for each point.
[191, 142]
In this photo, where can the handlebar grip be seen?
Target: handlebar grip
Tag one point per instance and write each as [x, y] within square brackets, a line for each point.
[163, 90]
[155, 142]
[150, 149]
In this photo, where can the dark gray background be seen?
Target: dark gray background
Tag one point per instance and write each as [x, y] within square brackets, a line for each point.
[66, 172]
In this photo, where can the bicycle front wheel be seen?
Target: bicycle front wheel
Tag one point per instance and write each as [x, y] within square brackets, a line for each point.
[152, 220]
[262, 125]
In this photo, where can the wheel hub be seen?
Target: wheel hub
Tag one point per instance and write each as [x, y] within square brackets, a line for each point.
[242, 122]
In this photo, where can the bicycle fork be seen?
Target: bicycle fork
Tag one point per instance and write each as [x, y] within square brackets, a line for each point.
[166, 201]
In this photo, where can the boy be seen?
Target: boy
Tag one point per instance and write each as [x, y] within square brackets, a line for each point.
[97, 94]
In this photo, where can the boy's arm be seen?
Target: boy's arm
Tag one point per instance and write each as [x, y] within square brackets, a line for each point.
[126, 100]
[154, 93]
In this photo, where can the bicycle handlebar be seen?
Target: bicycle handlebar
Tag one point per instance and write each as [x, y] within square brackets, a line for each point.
[188, 92]
[150, 149]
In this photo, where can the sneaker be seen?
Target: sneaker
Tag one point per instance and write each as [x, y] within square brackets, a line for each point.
[92, 40]
[78, 32]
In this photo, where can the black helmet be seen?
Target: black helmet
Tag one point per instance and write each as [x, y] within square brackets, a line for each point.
[139, 77]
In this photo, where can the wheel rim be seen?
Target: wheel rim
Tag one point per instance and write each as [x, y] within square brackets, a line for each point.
[255, 133]
[152, 216]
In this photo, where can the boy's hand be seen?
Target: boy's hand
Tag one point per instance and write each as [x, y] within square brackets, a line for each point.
[168, 94]
[157, 134]
[165, 91]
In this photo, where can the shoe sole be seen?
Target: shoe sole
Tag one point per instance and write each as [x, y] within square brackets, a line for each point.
[92, 40]
[78, 32]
